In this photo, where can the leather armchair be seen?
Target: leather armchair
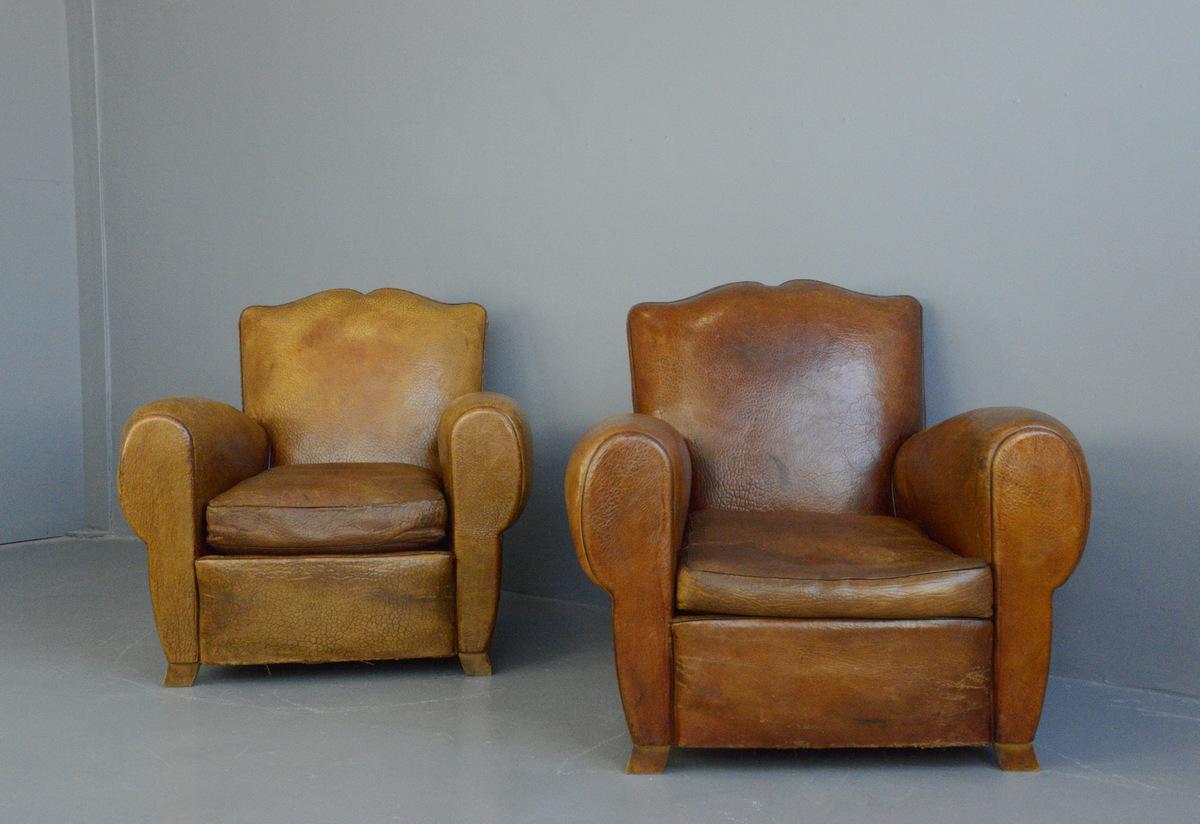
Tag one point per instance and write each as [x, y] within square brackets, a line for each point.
[794, 560]
[354, 510]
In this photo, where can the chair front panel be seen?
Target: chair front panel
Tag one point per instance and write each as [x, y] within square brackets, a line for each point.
[792, 397]
[345, 377]
[317, 608]
[766, 682]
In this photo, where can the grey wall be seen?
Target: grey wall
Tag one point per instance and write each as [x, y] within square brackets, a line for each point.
[1027, 169]
[99, 501]
[41, 476]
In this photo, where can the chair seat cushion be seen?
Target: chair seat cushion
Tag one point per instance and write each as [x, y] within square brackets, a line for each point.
[333, 507]
[819, 565]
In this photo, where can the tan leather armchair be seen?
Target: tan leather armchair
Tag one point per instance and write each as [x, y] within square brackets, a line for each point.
[793, 560]
[353, 511]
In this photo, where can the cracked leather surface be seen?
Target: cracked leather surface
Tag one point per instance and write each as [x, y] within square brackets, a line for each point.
[325, 608]
[790, 397]
[340, 376]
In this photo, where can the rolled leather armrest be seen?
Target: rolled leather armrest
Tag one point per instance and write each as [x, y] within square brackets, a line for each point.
[179, 453]
[627, 487]
[628, 484]
[1009, 486]
[484, 452]
[176, 455]
[1004, 484]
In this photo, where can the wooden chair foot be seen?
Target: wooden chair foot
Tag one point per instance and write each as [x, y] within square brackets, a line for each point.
[180, 675]
[475, 663]
[1016, 757]
[647, 759]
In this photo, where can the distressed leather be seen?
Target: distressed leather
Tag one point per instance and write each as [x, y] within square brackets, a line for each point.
[821, 565]
[346, 396]
[485, 451]
[349, 507]
[177, 454]
[340, 376]
[1009, 486]
[846, 579]
[760, 682]
[627, 487]
[791, 397]
[260, 610]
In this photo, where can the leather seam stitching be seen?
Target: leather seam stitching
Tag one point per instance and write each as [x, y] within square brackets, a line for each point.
[418, 552]
[330, 507]
[833, 580]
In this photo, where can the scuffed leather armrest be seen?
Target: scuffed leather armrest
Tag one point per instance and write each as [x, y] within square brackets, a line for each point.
[1009, 486]
[1004, 484]
[176, 455]
[484, 451]
[179, 453]
[628, 484]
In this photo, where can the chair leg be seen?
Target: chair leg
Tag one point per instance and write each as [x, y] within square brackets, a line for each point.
[647, 759]
[475, 663]
[1016, 757]
[180, 675]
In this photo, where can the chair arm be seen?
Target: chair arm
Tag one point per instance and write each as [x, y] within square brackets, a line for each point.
[176, 455]
[627, 488]
[484, 452]
[1009, 486]
[1004, 484]
[628, 485]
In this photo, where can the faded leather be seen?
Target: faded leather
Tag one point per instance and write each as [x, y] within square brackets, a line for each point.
[259, 610]
[755, 682]
[792, 397]
[485, 456]
[845, 579]
[821, 565]
[177, 454]
[1010, 486]
[627, 487]
[362, 384]
[341, 507]
[340, 376]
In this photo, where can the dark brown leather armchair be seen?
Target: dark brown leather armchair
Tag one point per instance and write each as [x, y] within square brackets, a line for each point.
[793, 561]
[353, 511]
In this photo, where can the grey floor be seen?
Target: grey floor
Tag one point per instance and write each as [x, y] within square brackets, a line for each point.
[87, 734]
